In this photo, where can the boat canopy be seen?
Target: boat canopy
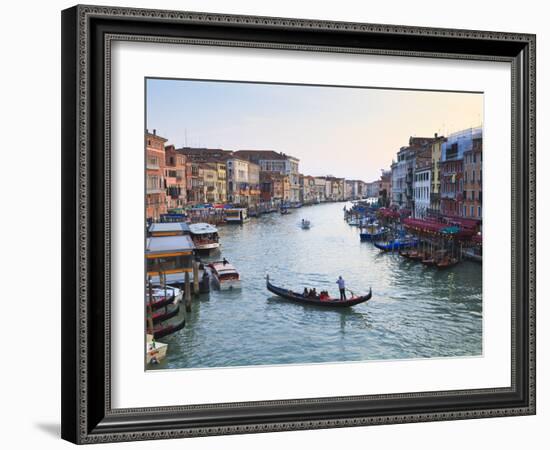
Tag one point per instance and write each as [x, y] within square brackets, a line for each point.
[169, 227]
[202, 228]
[164, 244]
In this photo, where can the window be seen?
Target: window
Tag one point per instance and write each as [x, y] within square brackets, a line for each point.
[471, 211]
[479, 211]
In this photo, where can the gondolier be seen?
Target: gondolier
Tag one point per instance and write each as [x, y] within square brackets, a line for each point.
[342, 286]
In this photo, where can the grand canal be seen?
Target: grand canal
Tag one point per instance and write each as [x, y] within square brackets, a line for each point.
[415, 311]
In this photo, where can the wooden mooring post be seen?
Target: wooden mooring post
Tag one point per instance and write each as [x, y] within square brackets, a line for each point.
[187, 292]
[196, 288]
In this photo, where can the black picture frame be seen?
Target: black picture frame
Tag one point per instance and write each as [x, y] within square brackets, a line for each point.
[87, 416]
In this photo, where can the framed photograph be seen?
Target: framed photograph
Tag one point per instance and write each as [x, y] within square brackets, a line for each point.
[279, 224]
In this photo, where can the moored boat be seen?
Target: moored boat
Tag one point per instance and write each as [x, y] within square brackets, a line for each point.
[163, 329]
[446, 262]
[225, 275]
[396, 244]
[155, 351]
[161, 297]
[328, 302]
[306, 224]
[205, 237]
[236, 215]
[171, 310]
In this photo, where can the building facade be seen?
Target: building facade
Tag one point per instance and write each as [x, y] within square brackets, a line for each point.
[175, 178]
[308, 193]
[237, 181]
[384, 193]
[273, 162]
[435, 189]
[155, 189]
[472, 174]
[253, 197]
[452, 169]
[422, 188]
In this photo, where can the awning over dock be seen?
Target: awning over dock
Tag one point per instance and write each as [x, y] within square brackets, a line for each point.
[168, 244]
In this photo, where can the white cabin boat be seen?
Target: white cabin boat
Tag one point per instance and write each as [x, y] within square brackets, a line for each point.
[225, 276]
[155, 351]
[205, 237]
[236, 215]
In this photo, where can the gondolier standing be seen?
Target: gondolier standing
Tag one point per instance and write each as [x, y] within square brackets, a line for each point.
[342, 286]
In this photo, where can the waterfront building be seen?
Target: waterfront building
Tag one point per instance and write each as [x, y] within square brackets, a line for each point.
[308, 193]
[274, 188]
[196, 156]
[174, 176]
[373, 188]
[422, 187]
[221, 180]
[334, 188]
[203, 154]
[195, 183]
[384, 192]
[471, 206]
[237, 180]
[320, 189]
[403, 171]
[155, 194]
[253, 196]
[435, 200]
[281, 163]
[209, 175]
[451, 169]
[354, 189]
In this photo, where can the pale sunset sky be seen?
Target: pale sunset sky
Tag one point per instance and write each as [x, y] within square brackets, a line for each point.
[341, 131]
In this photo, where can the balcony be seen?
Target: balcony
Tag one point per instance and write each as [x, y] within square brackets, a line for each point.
[152, 166]
[155, 190]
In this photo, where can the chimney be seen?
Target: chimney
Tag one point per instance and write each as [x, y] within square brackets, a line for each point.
[435, 135]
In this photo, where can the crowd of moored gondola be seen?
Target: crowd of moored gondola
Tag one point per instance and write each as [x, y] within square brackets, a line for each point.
[440, 242]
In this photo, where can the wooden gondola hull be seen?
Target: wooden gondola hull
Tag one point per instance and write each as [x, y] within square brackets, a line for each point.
[293, 296]
[166, 330]
[164, 301]
[172, 311]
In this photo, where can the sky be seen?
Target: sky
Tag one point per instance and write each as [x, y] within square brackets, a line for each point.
[341, 131]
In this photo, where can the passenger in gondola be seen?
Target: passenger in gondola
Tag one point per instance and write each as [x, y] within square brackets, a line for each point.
[305, 293]
[323, 296]
[313, 293]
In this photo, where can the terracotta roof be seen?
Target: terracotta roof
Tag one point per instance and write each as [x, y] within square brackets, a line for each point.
[262, 154]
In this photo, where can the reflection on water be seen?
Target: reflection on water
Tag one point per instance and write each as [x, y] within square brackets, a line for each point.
[415, 311]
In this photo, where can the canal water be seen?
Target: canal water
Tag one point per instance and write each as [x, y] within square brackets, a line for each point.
[415, 311]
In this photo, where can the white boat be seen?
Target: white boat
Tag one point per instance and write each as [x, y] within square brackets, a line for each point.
[155, 351]
[225, 276]
[306, 224]
[205, 237]
[236, 215]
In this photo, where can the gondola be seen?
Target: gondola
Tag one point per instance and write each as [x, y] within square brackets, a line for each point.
[161, 330]
[171, 311]
[330, 302]
[446, 263]
[161, 301]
